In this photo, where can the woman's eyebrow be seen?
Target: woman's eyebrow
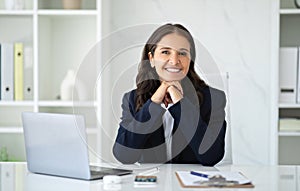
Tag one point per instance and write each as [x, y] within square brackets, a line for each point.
[185, 49]
[169, 48]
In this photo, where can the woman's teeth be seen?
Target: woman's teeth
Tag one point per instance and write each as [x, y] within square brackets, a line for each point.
[174, 70]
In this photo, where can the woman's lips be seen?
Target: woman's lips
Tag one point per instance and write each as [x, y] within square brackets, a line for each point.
[173, 70]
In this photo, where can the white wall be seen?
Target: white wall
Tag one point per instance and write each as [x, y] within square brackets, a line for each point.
[237, 35]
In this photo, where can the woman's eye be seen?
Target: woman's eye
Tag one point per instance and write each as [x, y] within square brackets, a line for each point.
[182, 53]
[165, 52]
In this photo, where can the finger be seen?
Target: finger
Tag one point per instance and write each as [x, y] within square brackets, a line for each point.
[160, 93]
[175, 94]
[177, 85]
[174, 90]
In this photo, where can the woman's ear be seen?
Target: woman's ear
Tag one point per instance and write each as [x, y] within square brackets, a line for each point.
[150, 57]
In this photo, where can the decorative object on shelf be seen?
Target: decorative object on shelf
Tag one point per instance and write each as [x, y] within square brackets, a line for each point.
[3, 154]
[72, 88]
[297, 3]
[71, 4]
[81, 90]
[67, 86]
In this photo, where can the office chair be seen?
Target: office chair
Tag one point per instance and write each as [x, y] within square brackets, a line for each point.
[221, 82]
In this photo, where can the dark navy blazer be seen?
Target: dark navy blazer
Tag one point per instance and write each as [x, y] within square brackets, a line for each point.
[198, 131]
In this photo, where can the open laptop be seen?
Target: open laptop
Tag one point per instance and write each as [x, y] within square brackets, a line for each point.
[56, 144]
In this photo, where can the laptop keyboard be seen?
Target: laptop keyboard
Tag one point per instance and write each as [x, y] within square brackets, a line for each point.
[93, 172]
[102, 171]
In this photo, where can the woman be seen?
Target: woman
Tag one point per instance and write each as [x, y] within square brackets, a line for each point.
[172, 115]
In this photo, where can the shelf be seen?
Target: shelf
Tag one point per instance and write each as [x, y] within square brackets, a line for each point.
[17, 12]
[289, 105]
[67, 104]
[67, 12]
[48, 12]
[16, 103]
[289, 11]
[90, 130]
[11, 130]
[288, 134]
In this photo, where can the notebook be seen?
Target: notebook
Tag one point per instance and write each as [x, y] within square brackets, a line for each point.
[56, 144]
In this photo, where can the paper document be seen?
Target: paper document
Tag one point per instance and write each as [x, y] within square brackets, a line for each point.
[189, 179]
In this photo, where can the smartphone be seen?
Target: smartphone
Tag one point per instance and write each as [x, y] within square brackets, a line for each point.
[146, 180]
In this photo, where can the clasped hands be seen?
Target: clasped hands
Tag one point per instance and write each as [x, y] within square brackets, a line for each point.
[168, 92]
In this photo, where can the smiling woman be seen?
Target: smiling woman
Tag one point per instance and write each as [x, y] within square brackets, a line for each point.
[167, 116]
[171, 58]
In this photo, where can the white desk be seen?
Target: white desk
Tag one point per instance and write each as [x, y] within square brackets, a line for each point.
[15, 177]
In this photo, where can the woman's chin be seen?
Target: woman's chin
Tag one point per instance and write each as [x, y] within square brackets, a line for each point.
[172, 78]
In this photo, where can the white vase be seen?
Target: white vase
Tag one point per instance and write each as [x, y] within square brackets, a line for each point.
[81, 90]
[72, 88]
[67, 86]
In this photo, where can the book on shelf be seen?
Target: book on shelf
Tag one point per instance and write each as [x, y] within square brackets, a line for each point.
[289, 124]
[18, 71]
[7, 71]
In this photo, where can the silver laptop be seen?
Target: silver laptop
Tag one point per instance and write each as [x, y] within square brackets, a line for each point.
[56, 144]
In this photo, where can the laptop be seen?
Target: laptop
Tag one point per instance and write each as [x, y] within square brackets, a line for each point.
[56, 144]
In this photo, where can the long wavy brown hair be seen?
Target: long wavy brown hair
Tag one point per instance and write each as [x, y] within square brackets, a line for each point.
[147, 79]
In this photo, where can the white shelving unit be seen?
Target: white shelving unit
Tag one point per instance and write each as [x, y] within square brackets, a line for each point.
[288, 105]
[60, 39]
[285, 144]
[289, 11]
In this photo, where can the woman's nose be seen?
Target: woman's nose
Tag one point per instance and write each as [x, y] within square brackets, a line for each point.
[174, 58]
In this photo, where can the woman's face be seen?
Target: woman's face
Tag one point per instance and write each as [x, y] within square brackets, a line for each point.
[171, 58]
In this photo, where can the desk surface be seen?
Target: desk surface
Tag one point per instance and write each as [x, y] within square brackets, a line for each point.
[15, 177]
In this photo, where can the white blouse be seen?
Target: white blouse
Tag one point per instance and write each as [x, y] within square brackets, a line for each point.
[168, 122]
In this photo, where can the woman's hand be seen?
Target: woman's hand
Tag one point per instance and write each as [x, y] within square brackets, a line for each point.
[168, 92]
[175, 91]
[159, 96]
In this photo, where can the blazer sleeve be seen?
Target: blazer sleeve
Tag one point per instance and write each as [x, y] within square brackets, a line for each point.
[204, 127]
[135, 128]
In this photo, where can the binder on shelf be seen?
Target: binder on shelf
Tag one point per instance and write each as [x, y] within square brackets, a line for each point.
[298, 80]
[7, 72]
[18, 68]
[0, 73]
[28, 73]
[7, 177]
[288, 75]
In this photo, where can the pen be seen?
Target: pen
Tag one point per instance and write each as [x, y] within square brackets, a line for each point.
[150, 172]
[199, 174]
